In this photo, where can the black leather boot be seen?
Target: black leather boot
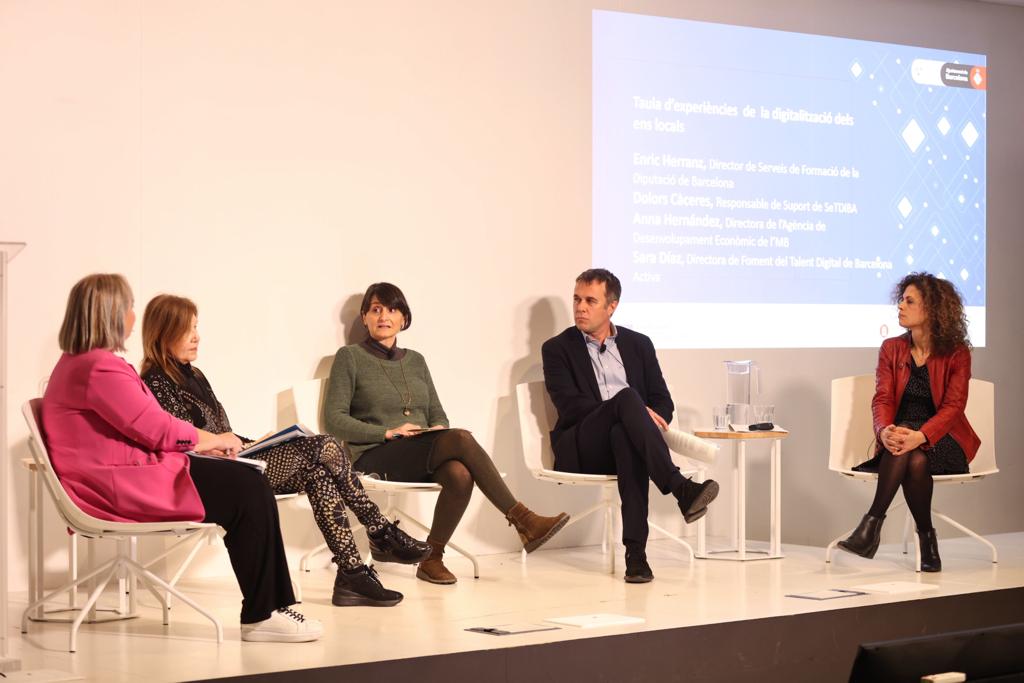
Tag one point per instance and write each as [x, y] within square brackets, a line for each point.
[864, 539]
[362, 587]
[930, 560]
[391, 544]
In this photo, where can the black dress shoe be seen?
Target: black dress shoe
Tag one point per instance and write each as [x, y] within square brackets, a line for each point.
[693, 517]
[694, 498]
[930, 560]
[637, 569]
[391, 544]
[864, 539]
[362, 587]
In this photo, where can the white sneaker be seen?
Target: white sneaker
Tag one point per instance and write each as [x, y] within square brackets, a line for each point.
[284, 626]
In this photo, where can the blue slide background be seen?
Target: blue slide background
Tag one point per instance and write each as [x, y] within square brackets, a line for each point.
[636, 55]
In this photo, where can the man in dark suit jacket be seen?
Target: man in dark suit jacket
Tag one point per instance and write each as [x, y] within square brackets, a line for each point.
[612, 405]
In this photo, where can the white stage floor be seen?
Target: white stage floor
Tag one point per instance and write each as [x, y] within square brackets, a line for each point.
[554, 583]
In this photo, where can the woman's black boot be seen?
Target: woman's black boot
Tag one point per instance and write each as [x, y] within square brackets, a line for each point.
[930, 560]
[864, 539]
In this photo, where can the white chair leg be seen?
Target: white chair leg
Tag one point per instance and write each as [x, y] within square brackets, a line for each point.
[90, 555]
[89, 607]
[609, 535]
[952, 522]
[673, 537]
[917, 553]
[469, 556]
[123, 547]
[70, 585]
[163, 601]
[308, 557]
[198, 545]
[580, 516]
[420, 525]
[906, 532]
[830, 546]
[207, 534]
[606, 535]
[147, 575]
[133, 601]
[72, 569]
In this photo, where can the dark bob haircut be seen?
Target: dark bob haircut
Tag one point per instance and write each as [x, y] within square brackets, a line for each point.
[612, 286]
[389, 296]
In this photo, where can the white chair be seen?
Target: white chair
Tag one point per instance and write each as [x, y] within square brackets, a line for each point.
[537, 416]
[211, 537]
[123, 565]
[852, 441]
[308, 403]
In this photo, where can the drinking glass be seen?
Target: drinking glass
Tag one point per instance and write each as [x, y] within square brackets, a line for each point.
[720, 418]
[764, 413]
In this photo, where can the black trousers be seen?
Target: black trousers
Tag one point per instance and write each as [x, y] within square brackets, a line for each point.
[619, 437]
[239, 499]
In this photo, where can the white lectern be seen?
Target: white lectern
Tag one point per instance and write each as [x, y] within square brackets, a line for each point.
[8, 250]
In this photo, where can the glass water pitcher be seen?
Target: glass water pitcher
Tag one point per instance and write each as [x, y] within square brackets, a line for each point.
[742, 387]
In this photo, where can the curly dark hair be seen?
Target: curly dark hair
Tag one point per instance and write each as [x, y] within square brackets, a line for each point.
[945, 309]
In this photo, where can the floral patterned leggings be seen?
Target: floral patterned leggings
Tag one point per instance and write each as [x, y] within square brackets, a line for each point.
[319, 467]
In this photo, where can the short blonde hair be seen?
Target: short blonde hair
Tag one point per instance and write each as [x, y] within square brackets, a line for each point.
[94, 319]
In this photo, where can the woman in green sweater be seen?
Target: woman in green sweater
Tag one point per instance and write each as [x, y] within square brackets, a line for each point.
[382, 403]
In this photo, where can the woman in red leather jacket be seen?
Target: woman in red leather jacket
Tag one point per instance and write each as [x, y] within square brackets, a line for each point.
[920, 427]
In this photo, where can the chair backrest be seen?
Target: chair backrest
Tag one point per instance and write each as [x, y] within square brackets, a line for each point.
[69, 511]
[74, 517]
[308, 398]
[852, 438]
[981, 408]
[536, 418]
[32, 412]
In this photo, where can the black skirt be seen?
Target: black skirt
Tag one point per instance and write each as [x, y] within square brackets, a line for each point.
[945, 457]
[406, 459]
[916, 408]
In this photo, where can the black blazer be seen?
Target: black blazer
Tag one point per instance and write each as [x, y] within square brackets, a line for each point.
[572, 385]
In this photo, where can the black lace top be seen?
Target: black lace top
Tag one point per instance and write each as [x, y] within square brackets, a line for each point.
[916, 406]
[192, 401]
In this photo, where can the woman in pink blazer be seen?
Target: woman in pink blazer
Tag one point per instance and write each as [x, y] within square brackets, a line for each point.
[121, 457]
[921, 429]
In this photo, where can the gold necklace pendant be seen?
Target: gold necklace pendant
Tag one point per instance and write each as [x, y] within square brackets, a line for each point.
[405, 398]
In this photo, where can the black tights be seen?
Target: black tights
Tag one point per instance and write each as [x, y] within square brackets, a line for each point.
[912, 472]
[456, 462]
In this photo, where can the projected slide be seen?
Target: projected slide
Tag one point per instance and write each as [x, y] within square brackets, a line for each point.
[757, 188]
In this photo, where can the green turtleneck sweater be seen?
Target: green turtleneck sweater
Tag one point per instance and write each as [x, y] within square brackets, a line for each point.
[366, 396]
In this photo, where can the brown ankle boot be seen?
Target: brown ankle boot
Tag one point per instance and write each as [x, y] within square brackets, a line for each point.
[432, 569]
[534, 530]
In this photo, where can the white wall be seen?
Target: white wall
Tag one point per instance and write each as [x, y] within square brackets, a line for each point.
[271, 159]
